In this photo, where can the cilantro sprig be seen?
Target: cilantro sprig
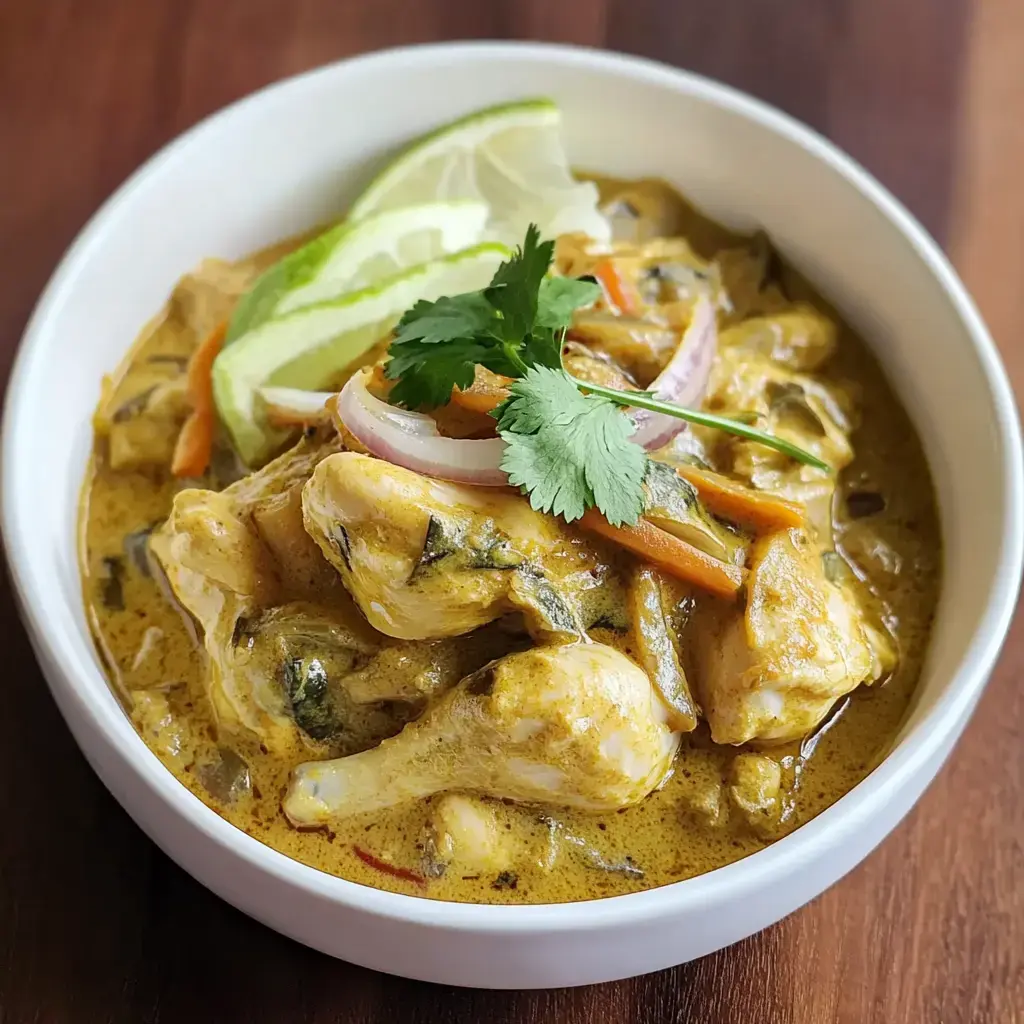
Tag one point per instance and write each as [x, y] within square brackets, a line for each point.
[567, 445]
[513, 324]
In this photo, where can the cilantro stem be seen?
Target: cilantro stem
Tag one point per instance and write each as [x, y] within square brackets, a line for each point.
[514, 358]
[703, 419]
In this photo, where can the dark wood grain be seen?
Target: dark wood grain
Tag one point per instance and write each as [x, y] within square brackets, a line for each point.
[96, 925]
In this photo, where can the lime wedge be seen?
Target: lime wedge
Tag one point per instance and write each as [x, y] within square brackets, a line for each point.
[306, 347]
[509, 156]
[353, 256]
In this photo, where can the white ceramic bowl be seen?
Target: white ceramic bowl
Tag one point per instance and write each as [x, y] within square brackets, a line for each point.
[296, 153]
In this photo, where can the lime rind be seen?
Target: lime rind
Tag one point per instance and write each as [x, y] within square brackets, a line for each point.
[352, 256]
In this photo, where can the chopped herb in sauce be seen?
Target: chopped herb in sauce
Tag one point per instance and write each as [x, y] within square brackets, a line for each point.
[472, 545]
[112, 584]
[133, 406]
[136, 549]
[312, 707]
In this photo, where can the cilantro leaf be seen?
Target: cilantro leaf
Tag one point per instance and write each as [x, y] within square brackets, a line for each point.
[515, 323]
[557, 300]
[570, 451]
[543, 347]
[515, 287]
[426, 373]
[450, 317]
[560, 297]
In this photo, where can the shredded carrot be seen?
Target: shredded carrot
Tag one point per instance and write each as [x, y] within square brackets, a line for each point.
[757, 510]
[378, 385]
[195, 442]
[487, 392]
[620, 292]
[389, 869]
[675, 556]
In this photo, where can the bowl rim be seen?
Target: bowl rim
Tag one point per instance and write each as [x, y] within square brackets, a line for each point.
[852, 812]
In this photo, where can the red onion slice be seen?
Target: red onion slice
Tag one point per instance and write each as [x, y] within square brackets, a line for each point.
[411, 439]
[684, 380]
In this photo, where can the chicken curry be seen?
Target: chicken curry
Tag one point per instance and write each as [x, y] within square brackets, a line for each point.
[430, 686]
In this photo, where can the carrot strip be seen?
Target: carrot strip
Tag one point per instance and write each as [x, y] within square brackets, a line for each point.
[477, 401]
[486, 393]
[389, 869]
[195, 442]
[675, 556]
[761, 512]
[621, 293]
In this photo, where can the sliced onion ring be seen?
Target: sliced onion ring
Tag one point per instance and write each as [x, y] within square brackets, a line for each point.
[684, 380]
[411, 439]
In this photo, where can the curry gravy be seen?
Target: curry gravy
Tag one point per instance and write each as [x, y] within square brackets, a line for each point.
[156, 664]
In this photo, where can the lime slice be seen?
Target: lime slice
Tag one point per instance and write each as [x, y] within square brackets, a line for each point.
[353, 256]
[305, 348]
[511, 157]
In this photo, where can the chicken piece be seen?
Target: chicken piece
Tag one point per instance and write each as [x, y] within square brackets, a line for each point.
[702, 794]
[221, 574]
[167, 733]
[771, 671]
[644, 208]
[594, 367]
[751, 274]
[225, 776]
[800, 408]
[642, 346]
[206, 297]
[795, 406]
[207, 533]
[301, 568]
[143, 428]
[663, 274]
[577, 725]
[227, 579]
[800, 338]
[466, 831]
[426, 559]
[756, 790]
[874, 547]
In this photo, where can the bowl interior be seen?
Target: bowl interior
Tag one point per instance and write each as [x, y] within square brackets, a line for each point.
[295, 155]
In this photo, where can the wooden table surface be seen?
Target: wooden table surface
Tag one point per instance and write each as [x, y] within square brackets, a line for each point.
[97, 925]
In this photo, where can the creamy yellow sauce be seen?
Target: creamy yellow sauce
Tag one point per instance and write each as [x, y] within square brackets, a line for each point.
[685, 828]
